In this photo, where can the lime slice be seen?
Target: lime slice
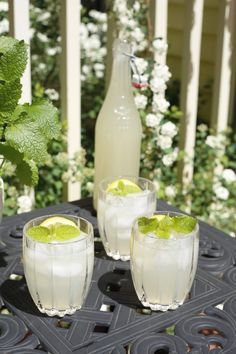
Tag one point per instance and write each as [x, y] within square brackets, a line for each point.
[39, 233]
[158, 216]
[123, 187]
[57, 220]
[184, 224]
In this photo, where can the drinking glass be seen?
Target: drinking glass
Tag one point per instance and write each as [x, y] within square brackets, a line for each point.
[58, 274]
[163, 270]
[117, 213]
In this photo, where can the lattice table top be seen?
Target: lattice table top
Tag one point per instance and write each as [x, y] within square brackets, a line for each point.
[112, 320]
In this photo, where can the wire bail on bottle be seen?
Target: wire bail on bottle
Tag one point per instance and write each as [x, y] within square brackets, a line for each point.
[138, 80]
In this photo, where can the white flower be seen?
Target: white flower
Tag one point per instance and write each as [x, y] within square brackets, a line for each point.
[120, 6]
[157, 85]
[159, 103]
[89, 187]
[202, 127]
[86, 69]
[170, 191]
[42, 66]
[52, 94]
[220, 191]
[215, 142]
[124, 20]
[99, 16]
[99, 66]
[4, 6]
[51, 51]
[160, 46]
[42, 37]
[167, 160]
[137, 34]
[153, 120]
[4, 26]
[92, 27]
[161, 71]
[136, 6]
[165, 142]
[24, 203]
[229, 175]
[92, 43]
[140, 101]
[99, 74]
[83, 33]
[44, 16]
[141, 64]
[169, 129]
[104, 27]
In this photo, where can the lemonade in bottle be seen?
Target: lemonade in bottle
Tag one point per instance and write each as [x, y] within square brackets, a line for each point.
[118, 128]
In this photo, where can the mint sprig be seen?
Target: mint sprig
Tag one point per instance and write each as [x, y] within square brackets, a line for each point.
[25, 130]
[163, 227]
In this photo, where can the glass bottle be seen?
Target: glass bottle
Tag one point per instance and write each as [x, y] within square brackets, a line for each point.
[118, 128]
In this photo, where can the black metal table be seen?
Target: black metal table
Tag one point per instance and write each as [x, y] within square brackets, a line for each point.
[112, 319]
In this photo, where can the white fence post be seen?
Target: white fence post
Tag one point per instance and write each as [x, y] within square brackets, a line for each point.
[223, 67]
[70, 81]
[159, 15]
[20, 29]
[189, 86]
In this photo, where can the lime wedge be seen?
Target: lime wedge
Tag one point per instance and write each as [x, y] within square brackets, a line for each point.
[39, 233]
[57, 220]
[184, 224]
[123, 187]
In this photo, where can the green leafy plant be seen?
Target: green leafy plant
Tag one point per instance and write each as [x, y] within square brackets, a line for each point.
[25, 130]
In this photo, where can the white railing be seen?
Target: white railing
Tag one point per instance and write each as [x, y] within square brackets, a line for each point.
[224, 76]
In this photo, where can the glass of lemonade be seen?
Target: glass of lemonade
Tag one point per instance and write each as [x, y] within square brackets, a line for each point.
[120, 201]
[58, 256]
[164, 254]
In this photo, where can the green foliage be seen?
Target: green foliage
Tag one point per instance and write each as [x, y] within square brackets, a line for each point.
[26, 129]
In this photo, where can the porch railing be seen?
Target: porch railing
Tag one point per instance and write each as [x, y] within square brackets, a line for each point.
[224, 75]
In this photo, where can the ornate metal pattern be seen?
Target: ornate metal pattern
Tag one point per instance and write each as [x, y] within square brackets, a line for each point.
[112, 320]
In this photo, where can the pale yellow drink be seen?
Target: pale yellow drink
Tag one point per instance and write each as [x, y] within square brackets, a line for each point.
[118, 128]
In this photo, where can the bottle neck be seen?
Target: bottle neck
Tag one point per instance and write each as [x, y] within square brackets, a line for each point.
[121, 75]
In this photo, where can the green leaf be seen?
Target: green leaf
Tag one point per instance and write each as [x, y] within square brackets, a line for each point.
[147, 225]
[25, 136]
[10, 93]
[11, 154]
[184, 224]
[27, 172]
[13, 58]
[45, 115]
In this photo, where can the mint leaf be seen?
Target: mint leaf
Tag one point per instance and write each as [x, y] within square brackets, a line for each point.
[184, 224]
[147, 225]
[43, 113]
[25, 136]
[39, 233]
[13, 58]
[162, 233]
[166, 223]
[10, 153]
[27, 172]
[10, 93]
